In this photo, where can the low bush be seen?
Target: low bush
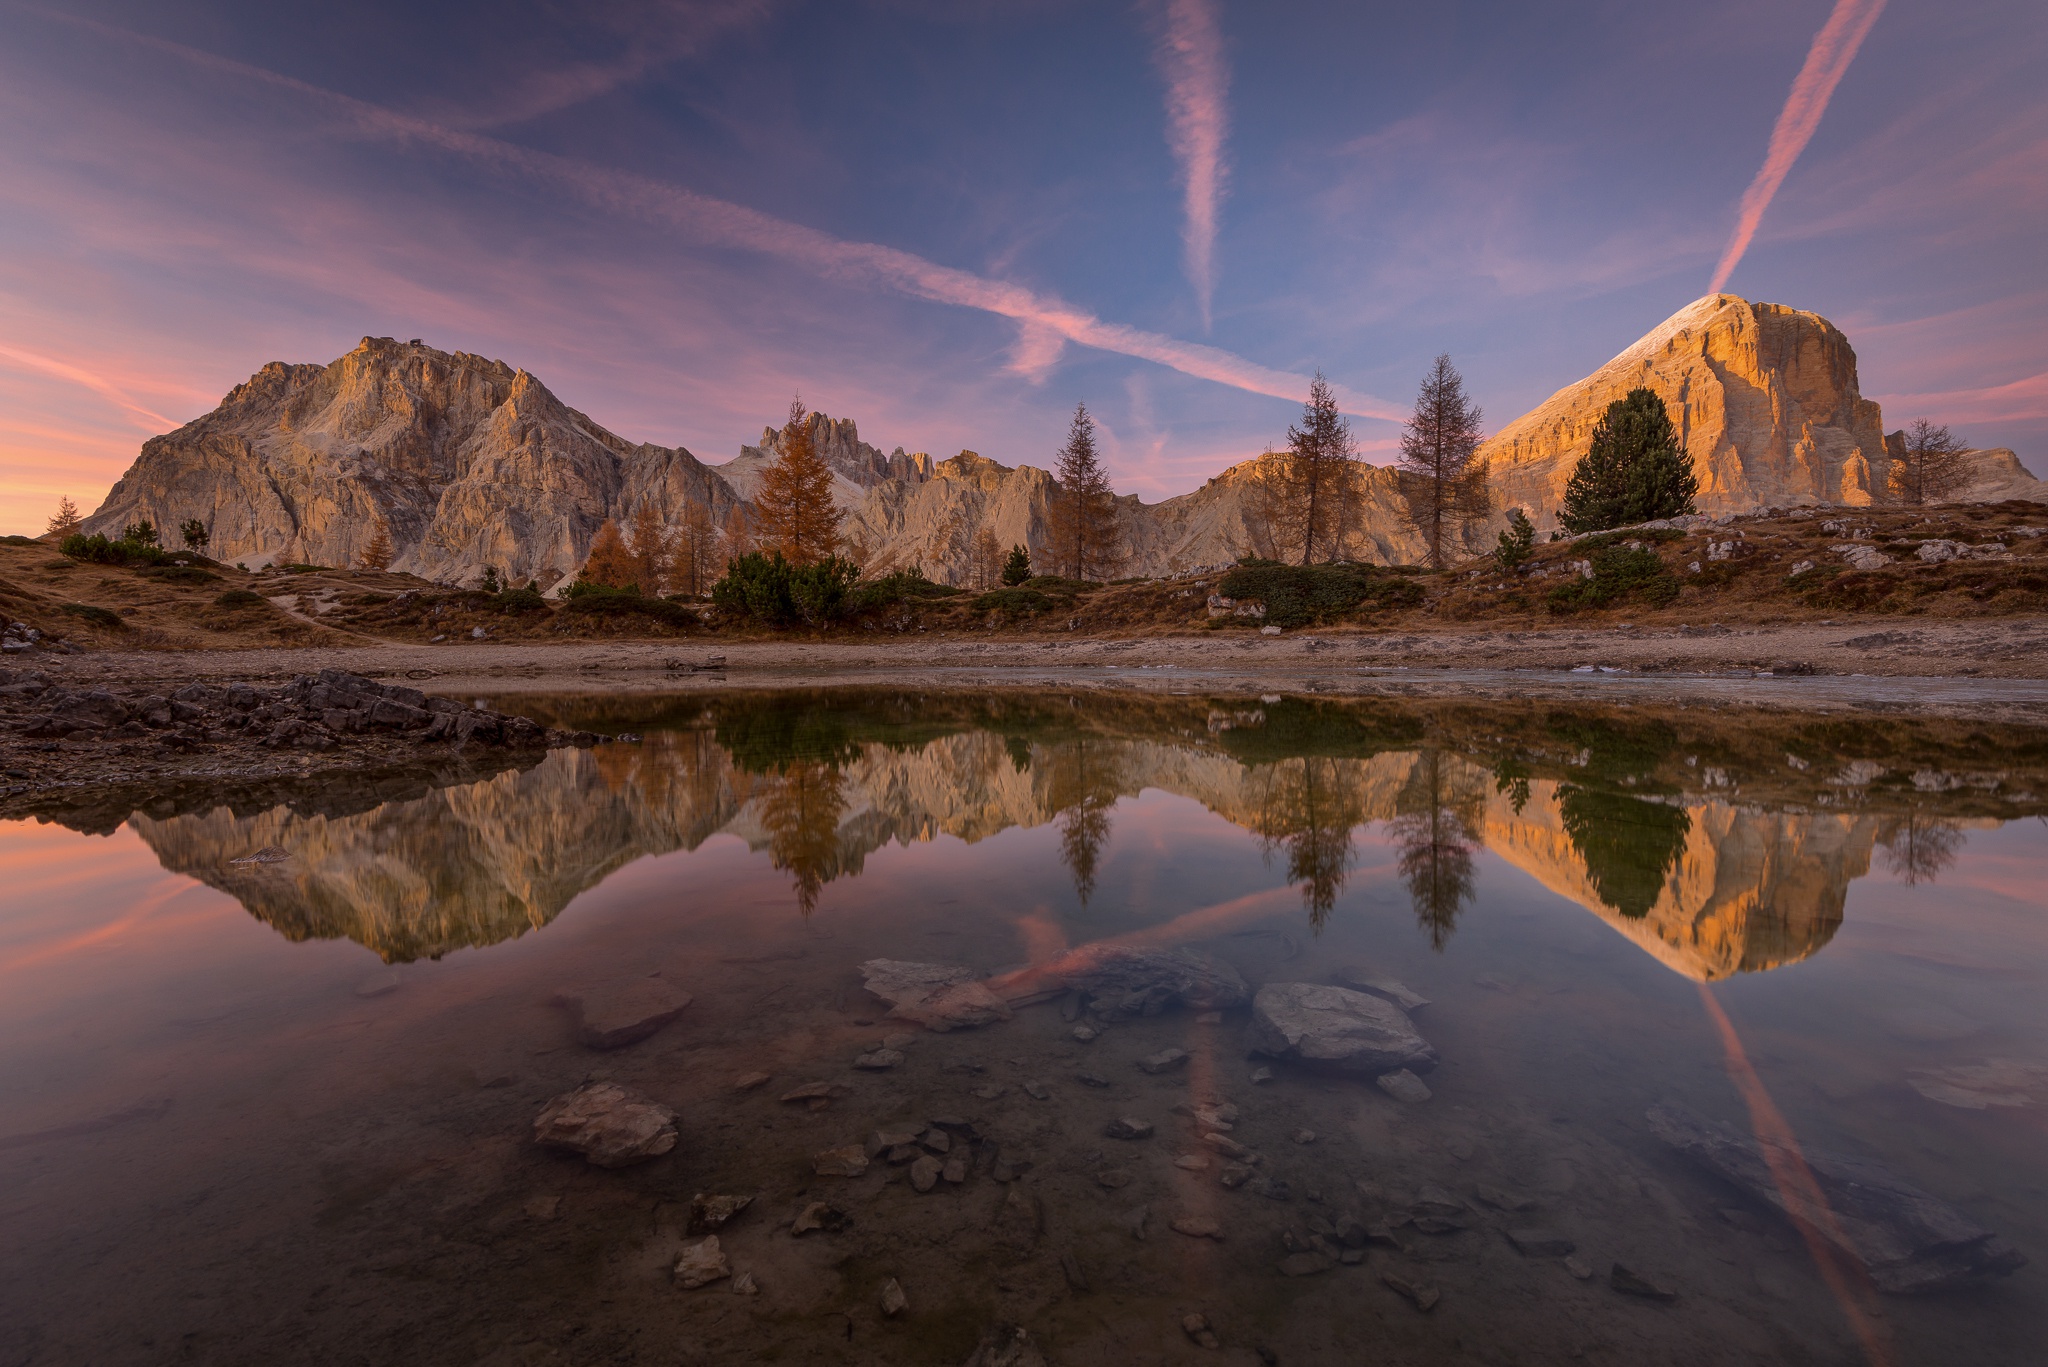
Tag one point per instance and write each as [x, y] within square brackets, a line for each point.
[98, 550]
[1053, 583]
[1299, 595]
[1015, 601]
[515, 601]
[19, 541]
[1619, 575]
[1855, 591]
[902, 587]
[307, 569]
[769, 590]
[240, 598]
[182, 574]
[99, 617]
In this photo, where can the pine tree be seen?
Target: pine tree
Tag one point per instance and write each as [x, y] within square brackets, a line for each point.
[610, 564]
[1517, 543]
[1017, 568]
[195, 534]
[1634, 471]
[794, 505]
[379, 553]
[1929, 467]
[1440, 477]
[1084, 511]
[490, 582]
[142, 533]
[65, 520]
[1311, 486]
[652, 549]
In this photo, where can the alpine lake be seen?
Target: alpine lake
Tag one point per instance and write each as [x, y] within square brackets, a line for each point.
[1020, 1026]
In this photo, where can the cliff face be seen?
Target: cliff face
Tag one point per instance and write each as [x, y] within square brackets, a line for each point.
[1764, 398]
[467, 461]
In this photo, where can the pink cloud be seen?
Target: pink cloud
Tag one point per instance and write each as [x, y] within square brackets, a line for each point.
[2022, 399]
[1834, 47]
[719, 223]
[78, 375]
[1189, 53]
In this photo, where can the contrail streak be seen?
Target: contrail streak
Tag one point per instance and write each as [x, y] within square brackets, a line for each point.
[1834, 47]
[104, 388]
[1190, 57]
[719, 223]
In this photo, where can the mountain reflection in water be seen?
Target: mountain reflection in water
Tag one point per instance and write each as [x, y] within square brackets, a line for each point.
[1717, 846]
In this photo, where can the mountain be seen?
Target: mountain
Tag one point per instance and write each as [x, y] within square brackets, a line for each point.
[1765, 400]
[472, 463]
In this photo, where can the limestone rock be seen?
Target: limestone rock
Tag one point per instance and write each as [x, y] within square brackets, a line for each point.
[607, 1124]
[615, 1015]
[1335, 1027]
[701, 1264]
[937, 996]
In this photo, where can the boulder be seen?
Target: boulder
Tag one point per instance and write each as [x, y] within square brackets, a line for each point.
[1380, 985]
[1907, 1240]
[614, 1015]
[937, 996]
[1334, 1027]
[607, 1124]
[1121, 982]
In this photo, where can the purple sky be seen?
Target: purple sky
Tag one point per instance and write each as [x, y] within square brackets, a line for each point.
[949, 220]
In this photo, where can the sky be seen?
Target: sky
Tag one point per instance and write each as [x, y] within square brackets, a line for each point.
[952, 221]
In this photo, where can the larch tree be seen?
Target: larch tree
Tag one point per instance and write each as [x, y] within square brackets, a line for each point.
[379, 553]
[696, 547]
[794, 505]
[610, 564]
[1635, 470]
[1085, 533]
[1311, 487]
[986, 561]
[652, 549]
[66, 519]
[1441, 479]
[1929, 467]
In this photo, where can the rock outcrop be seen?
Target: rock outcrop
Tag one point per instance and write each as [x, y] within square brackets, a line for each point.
[471, 463]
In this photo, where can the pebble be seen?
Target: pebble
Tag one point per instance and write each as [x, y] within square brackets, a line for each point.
[816, 1091]
[894, 1302]
[1424, 1297]
[1403, 1085]
[989, 1091]
[615, 1015]
[1113, 1179]
[701, 1264]
[1632, 1284]
[543, 1207]
[1306, 1264]
[1193, 1162]
[1234, 1175]
[1091, 1080]
[1578, 1269]
[1304, 1136]
[1198, 1227]
[886, 1141]
[1085, 1033]
[1036, 1091]
[924, 1173]
[1229, 1148]
[937, 1140]
[377, 984]
[849, 1161]
[745, 1285]
[1261, 1074]
[713, 1212]
[820, 1215]
[1128, 1128]
[1540, 1243]
[1196, 1327]
[879, 1060]
[955, 1170]
[1164, 1061]
[899, 1041]
[747, 1082]
[607, 1124]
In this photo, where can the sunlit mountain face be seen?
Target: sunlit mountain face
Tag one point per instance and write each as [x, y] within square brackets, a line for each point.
[1718, 845]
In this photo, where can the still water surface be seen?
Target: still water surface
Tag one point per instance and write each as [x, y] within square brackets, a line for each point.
[282, 1111]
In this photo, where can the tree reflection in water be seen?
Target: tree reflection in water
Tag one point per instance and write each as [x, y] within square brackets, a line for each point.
[1918, 849]
[1080, 784]
[1309, 809]
[1630, 845]
[801, 804]
[1437, 829]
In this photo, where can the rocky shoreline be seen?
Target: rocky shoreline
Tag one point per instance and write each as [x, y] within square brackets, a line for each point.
[56, 735]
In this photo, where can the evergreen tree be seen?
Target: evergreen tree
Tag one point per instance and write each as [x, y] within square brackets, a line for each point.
[1440, 477]
[195, 534]
[1929, 467]
[1634, 471]
[1517, 543]
[490, 582]
[1018, 567]
[610, 564]
[1084, 513]
[66, 519]
[794, 506]
[1311, 485]
[142, 533]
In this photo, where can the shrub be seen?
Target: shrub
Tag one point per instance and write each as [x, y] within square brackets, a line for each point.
[19, 541]
[770, 590]
[1619, 574]
[306, 569]
[1014, 601]
[240, 598]
[99, 617]
[1298, 595]
[1517, 543]
[904, 586]
[97, 549]
[590, 588]
[1053, 583]
[182, 574]
[142, 533]
[522, 600]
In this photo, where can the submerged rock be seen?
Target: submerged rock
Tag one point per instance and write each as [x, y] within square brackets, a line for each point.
[1334, 1027]
[1633, 1284]
[607, 1124]
[615, 1015]
[1906, 1239]
[1403, 1085]
[1366, 980]
[849, 1161]
[701, 1265]
[937, 996]
[1121, 982]
[1166, 1060]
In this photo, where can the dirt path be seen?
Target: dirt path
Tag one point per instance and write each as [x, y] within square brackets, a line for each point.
[1994, 662]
